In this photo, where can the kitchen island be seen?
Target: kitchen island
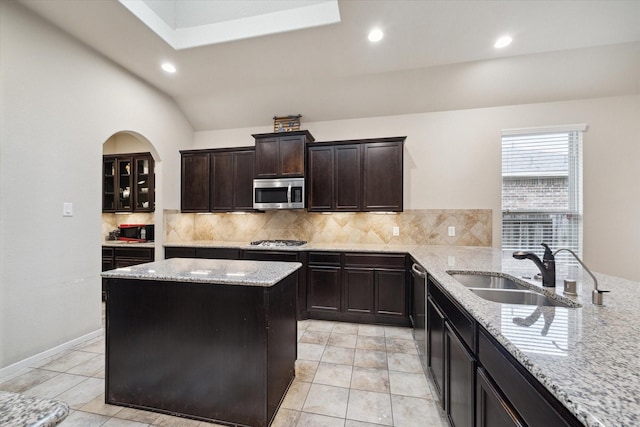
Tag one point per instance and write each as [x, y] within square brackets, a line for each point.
[213, 340]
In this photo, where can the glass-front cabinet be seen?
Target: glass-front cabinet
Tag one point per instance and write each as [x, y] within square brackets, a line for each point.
[128, 183]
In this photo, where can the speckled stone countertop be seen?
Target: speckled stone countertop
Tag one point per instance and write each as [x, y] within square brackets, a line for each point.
[124, 243]
[587, 357]
[17, 410]
[213, 271]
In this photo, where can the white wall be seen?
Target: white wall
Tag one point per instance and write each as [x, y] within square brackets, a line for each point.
[59, 104]
[453, 161]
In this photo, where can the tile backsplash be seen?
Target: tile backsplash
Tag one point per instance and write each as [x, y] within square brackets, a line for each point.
[111, 221]
[473, 227]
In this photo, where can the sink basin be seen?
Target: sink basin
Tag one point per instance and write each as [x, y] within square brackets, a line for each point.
[474, 280]
[510, 296]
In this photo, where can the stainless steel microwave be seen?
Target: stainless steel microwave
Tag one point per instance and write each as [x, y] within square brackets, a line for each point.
[278, 193]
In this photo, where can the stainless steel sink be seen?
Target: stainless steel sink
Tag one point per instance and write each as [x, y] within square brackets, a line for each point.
[509, 296]
[506, 290]
[475, 280]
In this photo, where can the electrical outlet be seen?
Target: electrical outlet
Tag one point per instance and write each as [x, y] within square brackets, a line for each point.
[396, 231]
[452, 231]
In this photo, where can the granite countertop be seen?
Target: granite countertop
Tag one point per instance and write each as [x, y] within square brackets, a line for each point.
[212, 271]
[20, 410]
[586, 356]
[121, 243]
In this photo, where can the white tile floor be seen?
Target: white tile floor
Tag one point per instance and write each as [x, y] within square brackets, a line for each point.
[347, 375]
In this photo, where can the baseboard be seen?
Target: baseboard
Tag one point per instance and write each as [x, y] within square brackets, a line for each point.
[30, 361]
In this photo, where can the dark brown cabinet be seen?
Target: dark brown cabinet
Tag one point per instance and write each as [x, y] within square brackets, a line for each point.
[281, 154]
[382, 176]
[210, 253]
[128, 183]
[194, 182]
[492, 409]
[217, 180]
[356, 175]
[126, 256]
[478, 381]
[358, 287]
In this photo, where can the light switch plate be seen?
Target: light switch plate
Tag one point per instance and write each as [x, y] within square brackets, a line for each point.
[452, 231]
[396, 231]
[67, 209]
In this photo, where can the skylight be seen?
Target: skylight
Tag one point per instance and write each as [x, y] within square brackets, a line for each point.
[191, 23]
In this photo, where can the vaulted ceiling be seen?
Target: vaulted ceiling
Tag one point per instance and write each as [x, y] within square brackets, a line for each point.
[435, 55]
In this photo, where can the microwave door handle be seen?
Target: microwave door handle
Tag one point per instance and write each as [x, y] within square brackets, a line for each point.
[289, 194]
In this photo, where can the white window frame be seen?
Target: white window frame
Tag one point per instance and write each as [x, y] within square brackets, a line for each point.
[544, 224]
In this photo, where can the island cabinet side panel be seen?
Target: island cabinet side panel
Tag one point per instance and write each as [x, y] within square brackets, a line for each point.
[282, 335]
[190, 349]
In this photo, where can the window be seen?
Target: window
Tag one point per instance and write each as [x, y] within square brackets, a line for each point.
[542, 190]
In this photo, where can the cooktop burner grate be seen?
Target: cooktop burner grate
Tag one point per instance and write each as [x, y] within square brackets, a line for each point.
[278, 242]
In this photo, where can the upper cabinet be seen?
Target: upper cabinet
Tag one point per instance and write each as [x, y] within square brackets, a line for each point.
[356, 176]
[281, 154]
[217, 180]
[128, 183]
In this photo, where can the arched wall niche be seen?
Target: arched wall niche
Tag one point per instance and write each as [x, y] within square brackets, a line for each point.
[124, 142]
[128, 141]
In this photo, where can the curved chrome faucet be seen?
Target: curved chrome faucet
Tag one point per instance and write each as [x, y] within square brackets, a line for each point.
[547, 265]
[596, 294]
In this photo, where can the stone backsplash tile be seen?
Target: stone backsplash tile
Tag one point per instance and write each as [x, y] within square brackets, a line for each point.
[420, 226]
[111, 221]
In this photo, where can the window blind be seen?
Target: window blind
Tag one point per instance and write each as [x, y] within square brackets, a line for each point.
[542, 191]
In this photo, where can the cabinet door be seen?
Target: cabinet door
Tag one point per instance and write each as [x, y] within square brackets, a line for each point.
[382, 163]
[347, 178]
[109, 184]
[291, 150]
[243, 171]
[358, 290]
[323, 288]
[124, 170]
[492, 410]
[194, 192]
[435, 347]
[144, 184]
[459, 379]
[391, 292]
[221, 183]
[320, 179]
[267, 157]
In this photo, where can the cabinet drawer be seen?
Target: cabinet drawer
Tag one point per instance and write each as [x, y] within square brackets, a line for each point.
[177, 252]
[461, 321]
[324, 258]
[374, 260]
[107, 252]
[271, 256]
[139, 253]
[526, 394]
[218, 253]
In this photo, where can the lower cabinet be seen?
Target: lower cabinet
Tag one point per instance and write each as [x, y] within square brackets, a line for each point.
[125, 256]
[459, 380]
[479, 383]
[358, 287]
[492, 409]
[191, 252]
[450, 358]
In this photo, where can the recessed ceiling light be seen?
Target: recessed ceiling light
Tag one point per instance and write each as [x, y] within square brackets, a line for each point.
[375, 35]
[503, 41]
[169, 67]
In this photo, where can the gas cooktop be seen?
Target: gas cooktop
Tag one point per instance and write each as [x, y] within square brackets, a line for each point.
[275, 243]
